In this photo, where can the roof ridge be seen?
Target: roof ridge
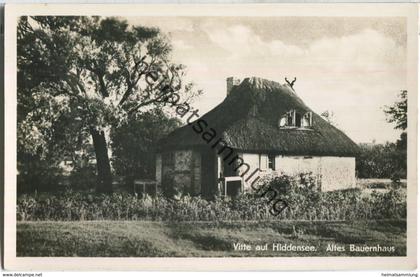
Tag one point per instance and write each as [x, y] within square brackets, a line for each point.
[259, 82]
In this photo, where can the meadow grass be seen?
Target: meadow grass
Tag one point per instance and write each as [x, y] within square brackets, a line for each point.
[203, 239]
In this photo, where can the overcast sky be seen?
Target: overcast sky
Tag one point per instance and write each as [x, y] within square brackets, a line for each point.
[351, 66]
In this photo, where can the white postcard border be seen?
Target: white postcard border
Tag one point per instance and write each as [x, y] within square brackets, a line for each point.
[410, 11]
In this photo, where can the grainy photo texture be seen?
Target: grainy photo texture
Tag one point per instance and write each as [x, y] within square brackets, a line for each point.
[211, 136]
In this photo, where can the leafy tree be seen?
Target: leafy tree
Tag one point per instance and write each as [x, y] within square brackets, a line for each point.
[397, 113]
[134, 144]
[329, 116]
[50, 120]
[388, 160]
[381, 161]
[87, 74]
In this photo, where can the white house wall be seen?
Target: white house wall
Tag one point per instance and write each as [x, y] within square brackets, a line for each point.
[293, 165]
[338, 173]
[253, 160]
[332, 172]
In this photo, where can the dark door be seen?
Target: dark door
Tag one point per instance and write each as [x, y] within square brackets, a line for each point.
[229, 169]
[233, 188]
[208, 172]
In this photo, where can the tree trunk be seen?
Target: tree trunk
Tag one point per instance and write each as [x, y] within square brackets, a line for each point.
[104, 182]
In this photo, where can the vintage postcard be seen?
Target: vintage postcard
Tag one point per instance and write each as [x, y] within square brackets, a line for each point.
[211, 137]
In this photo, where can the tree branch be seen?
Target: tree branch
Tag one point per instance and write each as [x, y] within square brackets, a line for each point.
[130, 83]
[143, 104]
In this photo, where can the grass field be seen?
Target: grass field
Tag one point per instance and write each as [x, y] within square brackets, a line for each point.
[204, 239]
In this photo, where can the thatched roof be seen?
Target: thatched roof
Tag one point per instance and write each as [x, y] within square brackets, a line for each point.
[248, 120]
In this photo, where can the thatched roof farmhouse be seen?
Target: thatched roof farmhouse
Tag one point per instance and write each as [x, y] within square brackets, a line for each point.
[261, 126]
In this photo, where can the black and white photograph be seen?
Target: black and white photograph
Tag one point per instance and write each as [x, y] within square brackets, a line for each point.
[220, 135]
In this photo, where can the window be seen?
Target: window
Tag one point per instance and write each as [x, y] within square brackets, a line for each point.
[298, 119]
[307, 119]
[283, 121]
[272, 162]
[295, 119]
[290, 118]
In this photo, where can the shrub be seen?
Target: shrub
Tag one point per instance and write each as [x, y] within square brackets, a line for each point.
[304, 203]
[82, 178]
[383, 160]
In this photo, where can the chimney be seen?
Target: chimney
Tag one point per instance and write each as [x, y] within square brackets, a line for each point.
[230, 83]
